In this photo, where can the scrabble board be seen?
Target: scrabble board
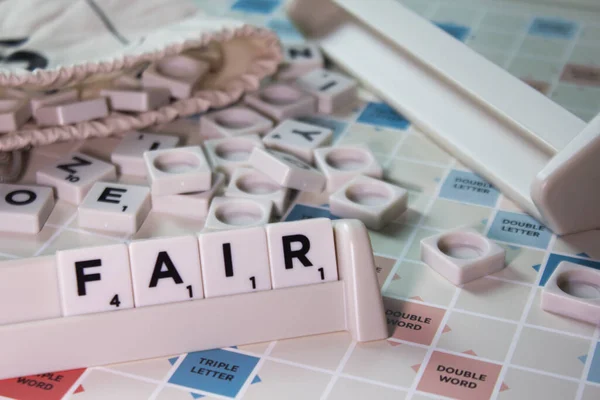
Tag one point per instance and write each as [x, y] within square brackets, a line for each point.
[487, 339]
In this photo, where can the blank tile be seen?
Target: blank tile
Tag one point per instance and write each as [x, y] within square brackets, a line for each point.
[227, 154]
[94, 279]
[253, 184]
[281, 101]
[128, 156]
[24, 209]
[302, 252]
[165, 270]
[233, 121]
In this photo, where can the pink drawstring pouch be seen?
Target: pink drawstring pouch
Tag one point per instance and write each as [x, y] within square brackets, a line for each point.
[90, 45]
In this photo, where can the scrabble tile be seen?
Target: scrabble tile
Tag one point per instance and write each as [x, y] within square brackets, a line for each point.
[60, 149]
[374, 202]
[114, 207]
[53, 98]
[231, 212]
[180, 170]
[301, 252]
[94, 279]
[298, 138]
[299, 59]
[233, 121]
[138, 100]
[71, 113]
[73, 176]
[280, 101]
[234, 261]
[41, 299]
[165, 270]
[13, 114]
[179, 74]
[287, 170]
[227, 154]
[189, 205]
[129, 154]
[253, 184]
[342, 163]
[24, 208]
[331, 89]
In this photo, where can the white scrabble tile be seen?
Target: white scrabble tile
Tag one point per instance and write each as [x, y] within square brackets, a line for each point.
[71, 113]
[332, 90]
[234, 121]
[227, 154]
[341, 164]
[114, 207]
[299, 59]
[138, 100]
[24, 208]
[231, 212]
[53, 98]
[190, 205]
[129, 154]
[94, 279]
[280, 101]
[298, 138]
[41, 298]
[234, 261]
[374, 202]
[301, 252]
[287, 170]
[179, 170]
[72, 176]
[165, 270]
[462, 255]
[13, 114]
[253, 184]
[179, 74]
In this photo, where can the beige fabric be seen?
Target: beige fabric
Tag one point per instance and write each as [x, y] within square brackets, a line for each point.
[88, 43]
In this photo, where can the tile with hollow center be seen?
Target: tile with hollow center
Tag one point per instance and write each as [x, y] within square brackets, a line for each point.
[13, 114]
[190, 205]
[100, 148]
[253, 184]
[73, 175]
[137, 100]
[232, 212]
[234, 261]
[114, 207]
[178, 170]
[301, 252]
[66, 96]
[374, 202]
[61, 149]
[71, 113]
[94, 279]
[234, 121]
[332, 90]
[287, 170]
[227, 154]
[128, 156]
[462, 255]
[24, 208]
[280, 101]
[573, 291]
[298, 138]
[341, 164]
[179, 74]
[165, 270]
[299, 59]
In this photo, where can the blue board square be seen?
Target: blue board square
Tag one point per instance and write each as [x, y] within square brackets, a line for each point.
[459, 32]
[256, 6]
[556, 259]
[216, 371]
[469, 188]
[301, 211]
[380, 114]
[594, 374]
[553, 28]
[519, 229]
[285, 30]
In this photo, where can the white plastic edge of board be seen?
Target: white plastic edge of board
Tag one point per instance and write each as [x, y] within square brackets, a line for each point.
[492, 122]
[352, 303]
